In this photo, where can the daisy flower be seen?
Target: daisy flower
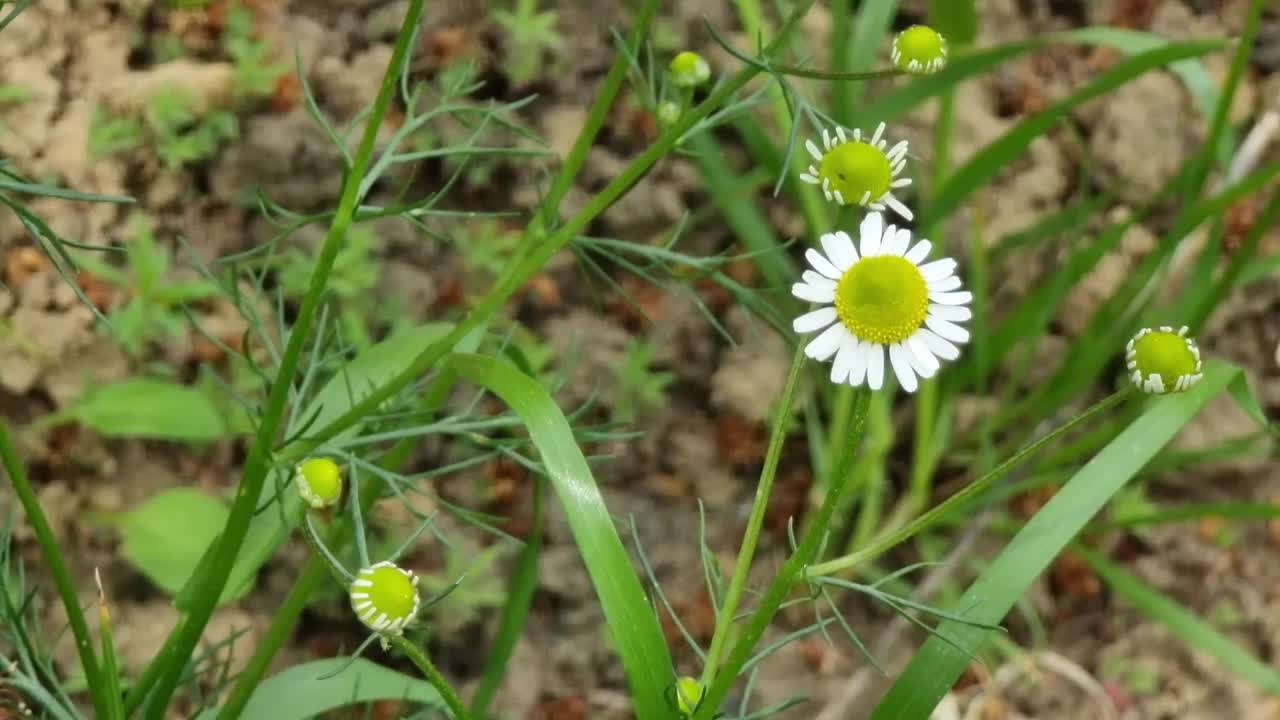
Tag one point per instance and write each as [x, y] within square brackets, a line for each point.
[385, 597]
[920, 50]
[1163, 360]
[880, 299]
[853, 170]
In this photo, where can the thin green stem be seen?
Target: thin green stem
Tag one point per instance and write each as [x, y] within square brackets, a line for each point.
[922, 522]
[751, 537]
[57, 567]
[792, 571]
[186, 635]
[432, 675]
[314, 572]
[518, 272]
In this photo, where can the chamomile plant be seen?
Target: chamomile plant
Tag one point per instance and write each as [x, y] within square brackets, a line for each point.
[883, 303]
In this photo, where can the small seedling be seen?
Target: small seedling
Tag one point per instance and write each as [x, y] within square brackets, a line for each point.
[532, 34]
[640, 387]
[154, 309]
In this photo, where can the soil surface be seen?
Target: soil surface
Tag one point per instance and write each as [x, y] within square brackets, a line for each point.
[1097, 659]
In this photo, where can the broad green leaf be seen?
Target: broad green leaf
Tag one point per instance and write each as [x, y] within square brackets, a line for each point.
[370, 369]
[1192, 630]
[978, 171]
[303, 691]
[150, 408]
[166, 536]
[937, 665]
[629, 616]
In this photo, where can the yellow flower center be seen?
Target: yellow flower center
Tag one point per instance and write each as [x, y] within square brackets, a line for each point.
[857, 169]
[920, 44]
[391, 591]
[321, 481]
[882, 299]
[1165, 353]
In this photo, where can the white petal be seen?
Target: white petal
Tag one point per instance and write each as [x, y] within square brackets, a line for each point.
[813, 150]
[902, 368]
[954, 313]
[951, 282]
[825, 345]
[805, 291]
[811, 179]
[896, 205]
[815, 320]
[858, 368]
[938, 269]
[844, 358]
[839, 249]
[897, 244]
[937, 345]
[818, 281]
[869, 231]
[946, 329]
[918, 253]
[952, 298]
[923, 361]
[875, 367]
[822, 264]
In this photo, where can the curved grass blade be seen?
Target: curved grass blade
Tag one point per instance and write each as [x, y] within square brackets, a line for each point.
[1181, 622]
[937, 665]
[631, 620]
[988, 162]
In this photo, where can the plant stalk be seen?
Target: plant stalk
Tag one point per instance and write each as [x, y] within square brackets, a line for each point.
[182, 641]
[922, 522]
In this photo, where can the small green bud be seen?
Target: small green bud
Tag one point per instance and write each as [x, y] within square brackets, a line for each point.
[920, 50]
[1163, 360]
[319, 482]
[688, 69]
[689, 694]
[668, 113]
[385, 597]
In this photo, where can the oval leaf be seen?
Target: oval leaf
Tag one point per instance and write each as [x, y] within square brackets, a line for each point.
[303, 691]
[150, 408]
[166, 535]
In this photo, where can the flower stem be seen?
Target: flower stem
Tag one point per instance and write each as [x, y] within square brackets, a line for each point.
[432, 675]
[182, 641]
[793, 569]
[538, 250]
[894, 537]
[57, 567]
[724, 620]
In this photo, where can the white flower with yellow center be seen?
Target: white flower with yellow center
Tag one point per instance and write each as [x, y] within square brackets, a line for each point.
[920, 50]
[880, 298]
[862, 172]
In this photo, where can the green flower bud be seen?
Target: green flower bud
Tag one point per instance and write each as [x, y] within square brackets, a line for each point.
[920, 50]
[688, 69]
[385, 597]
[668, 113]
[1163, 360]
[319, 482]
[689, 694]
